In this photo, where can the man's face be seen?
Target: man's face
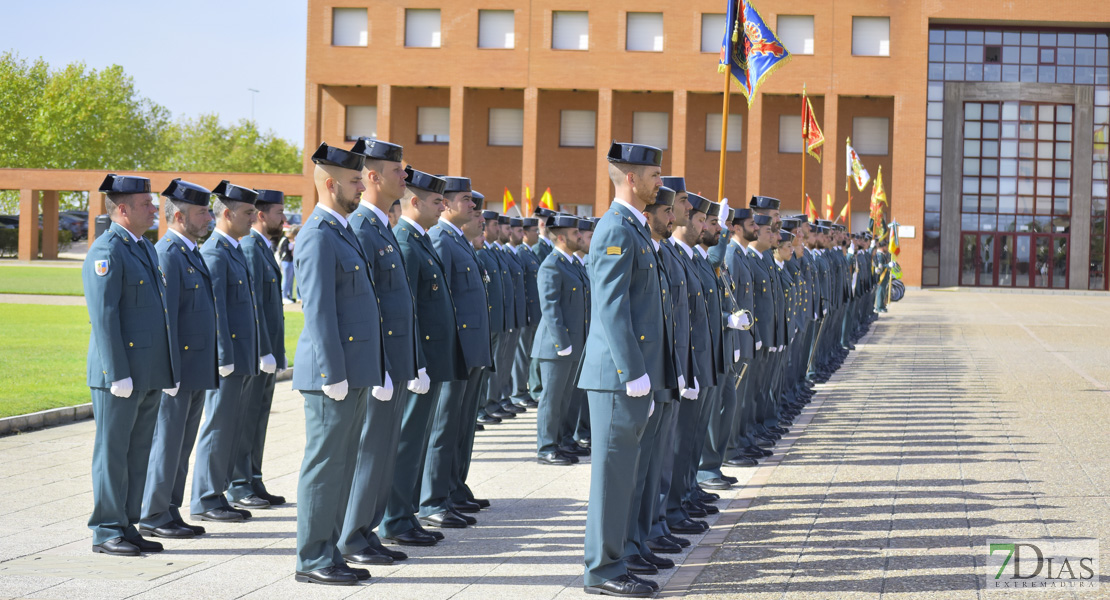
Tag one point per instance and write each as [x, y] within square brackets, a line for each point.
[695, 226]
[531, 235]
[240, 216]
[195, 220]
[765, 236]
[505, 233]
[661, 221]
[749, 231]
[584, 238]
[573, 238]
[391, 180]
[474, 231]
[492, 230]
[461, 206]
[516, 235]
[272, 219]
[348, 190]
[429, 209]
[681, 209]
[711, 235]
[140, 211]
[646, 182]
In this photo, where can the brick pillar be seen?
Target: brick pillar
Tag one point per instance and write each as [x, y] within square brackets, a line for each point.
[28, 225]
[163, 223]
[455, 148]
[531, 145]
[602, 196]
[832, 165]
[678, 133]
[754, 143]
[50, 224]
[96, 208]
[385, 111]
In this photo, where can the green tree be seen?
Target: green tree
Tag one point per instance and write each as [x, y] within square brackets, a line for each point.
[204, 145]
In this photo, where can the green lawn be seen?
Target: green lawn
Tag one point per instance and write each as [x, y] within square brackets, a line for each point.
[55, 281]
[42, 359]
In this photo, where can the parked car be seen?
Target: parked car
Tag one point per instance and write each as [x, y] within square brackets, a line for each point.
[9, 221]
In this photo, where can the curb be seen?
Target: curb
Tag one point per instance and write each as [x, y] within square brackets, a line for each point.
[66, 414]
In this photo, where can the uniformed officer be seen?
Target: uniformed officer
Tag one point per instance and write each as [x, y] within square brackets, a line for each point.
[238, 355]
[258, 248]
[129, 362]
[384, 177]
[523, 232]
[625, 362]
[560, 337]
[765, 316]
[193, 345]
[502, 318]
[452, 435]
[576, 420]
[340, 357]
[516, 303]
[439, 348]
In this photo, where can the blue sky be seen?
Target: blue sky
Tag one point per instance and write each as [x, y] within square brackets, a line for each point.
[192, 57]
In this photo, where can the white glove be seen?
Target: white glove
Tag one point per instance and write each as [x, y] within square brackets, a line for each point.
[384, 391]
[773, 349]
[651, 409]
[421, 384]
[268, 364]
[781, 348]
[758, 345]
[638, 387]
[227, 370]
[122, 388]
[681, 382]
[336, 391]
[825, 312]
[566, 351]
[692, 393]
[735, 356]
[741, 320]
[172, 391]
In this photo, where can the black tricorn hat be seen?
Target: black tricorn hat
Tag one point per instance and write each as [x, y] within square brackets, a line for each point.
[740, 214]
[762, 220]
[676, 183]
[785, 236]
[635, 154]
[789, 224]
[338, 157]
[556, 220]
[424, 181]
[180, 190]
[456, 184]
[477, 196]
[714, 210]
[270, 197]
[504, 220]
[665, 196]
[585, 223]
[516, 222]
[491, 215]
[375, 149]
[235, 193]
[700, 204]
[764, 202]
[542, 212]
[125, 184]
[530, 222]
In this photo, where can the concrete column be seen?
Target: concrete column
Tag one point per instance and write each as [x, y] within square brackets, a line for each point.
[530, 151]
[602, 197]
[28, 225]
[50, 224]
[754, 142]
[678, 133]
[832, 169]
[455, 148]
[385, 111]
[96, 208]
[1079, 244]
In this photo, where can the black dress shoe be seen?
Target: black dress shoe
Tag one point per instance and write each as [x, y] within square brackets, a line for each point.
[705, 496]
[572, 458]
[638, 564]
[681, 541]
[327, 576]
[553, 458]
[413, 537]
[502, 414]
[715, 484]
[368, 556]
[742, 461]
[622, 587]
[170, 530]
[732, 480]
[197, 529]
[360, 574]
[484, 419]
[273, 499]
[396, 555]
[117, 547]
[510, 407]
[584, 442]
[648, 582]
[759, 450]
[249, 502]
[658, 561]
[479, 427]
[465, 506]
[145, 545]
[574, 450]
[435, 534]
[226, 515]
[693, 510]
[530, 403]
[662, 545]
[481, 502]
[469, 520]
[708, 508]
[688, 526]
[446, 519]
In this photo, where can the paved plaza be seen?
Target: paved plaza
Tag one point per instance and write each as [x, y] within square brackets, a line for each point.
[961, 417]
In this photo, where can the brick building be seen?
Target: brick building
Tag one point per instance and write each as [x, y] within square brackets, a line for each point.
[989, 118]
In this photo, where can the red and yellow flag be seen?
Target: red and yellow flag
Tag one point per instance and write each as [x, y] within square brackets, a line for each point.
[811, 132]
[843, 216]
[527, 202]
[546, 201]
[808, 210]
[828, 206]
[507, 202]
[878, 198]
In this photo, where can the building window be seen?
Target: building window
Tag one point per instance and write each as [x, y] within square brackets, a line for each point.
[871, 36]
[713, 132]
[712, 32]
[871, 135]
[349, 27]
[422, 28]
[433, 125]
[362, 121]
[496, 29]
[506, 127]
[578, 128]
[796, 33]
[650, 128]
[644, 32]
[570, 30]
[790, 134]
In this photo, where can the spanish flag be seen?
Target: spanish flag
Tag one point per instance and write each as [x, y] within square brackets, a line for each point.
[810, 211]
[546, 201]
[828, 206]
[843, 216]
[507, 202]
[527, 201]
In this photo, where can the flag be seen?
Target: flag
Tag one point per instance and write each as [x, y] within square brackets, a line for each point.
[811, 132]
[810, 211]
[527, 202]
[546, 201]
[878, 199]
[750, 52]
[843, 216]
[895, 245]
[828, 206]
[856, 171]
[507, 202]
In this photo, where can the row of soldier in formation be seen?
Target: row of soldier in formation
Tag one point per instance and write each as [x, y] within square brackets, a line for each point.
[682, 338]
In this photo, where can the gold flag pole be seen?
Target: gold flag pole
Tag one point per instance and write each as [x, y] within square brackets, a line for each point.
[724, 134]
[805, 138]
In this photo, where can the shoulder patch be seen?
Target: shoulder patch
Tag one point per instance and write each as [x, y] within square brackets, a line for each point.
[614, 250]
[100, 267]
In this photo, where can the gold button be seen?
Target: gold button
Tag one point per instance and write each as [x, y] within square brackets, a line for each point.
[468, 269]
[390, 333]
[464, 325]
[427, 337]
[619, 371]
[641, 338]
[233, 336]
[186, 347]
[321, 374]
[356, 267]
[131, 344]
[140, 282]
[240, 282]
[196, 285]
[273, 280]
[574, 289]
